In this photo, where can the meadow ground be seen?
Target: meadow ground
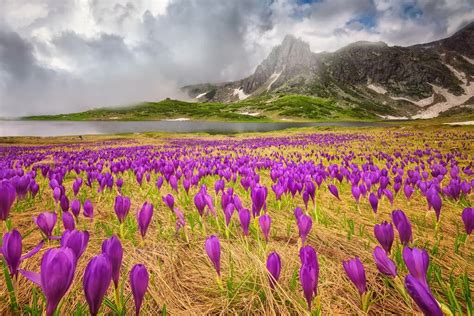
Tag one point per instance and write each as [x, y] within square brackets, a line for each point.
[182, 278]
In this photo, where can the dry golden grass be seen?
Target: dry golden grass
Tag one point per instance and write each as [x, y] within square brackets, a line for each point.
[182, 277]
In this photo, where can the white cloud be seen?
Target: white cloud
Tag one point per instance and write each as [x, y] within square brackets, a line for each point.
[74, 54]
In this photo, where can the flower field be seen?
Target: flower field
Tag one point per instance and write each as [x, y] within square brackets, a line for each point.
[344, 221]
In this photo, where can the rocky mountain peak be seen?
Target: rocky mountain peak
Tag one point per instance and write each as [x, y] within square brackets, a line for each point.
[290, 53]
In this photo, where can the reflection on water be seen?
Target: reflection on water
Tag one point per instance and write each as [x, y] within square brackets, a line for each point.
[68, 128]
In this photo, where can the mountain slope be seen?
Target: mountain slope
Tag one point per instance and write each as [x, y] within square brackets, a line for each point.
[420, 81]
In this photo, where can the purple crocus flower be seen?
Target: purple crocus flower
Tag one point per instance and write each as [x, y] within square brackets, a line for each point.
[356, 273]
[159, 182]
[304, 226]
[274, 268]
[417, 262]
[121, 207]
[57, 272]
[112, 248]
[244, 217]
[403, 225]
[200, 202]
[96, 281]
[7, 197]
[46, 222]
[88, 209]
[468, 219]
[213, 250]
[139, 284]
[68, 221]
[64, 203]
[374, 201]
[384, 234]
[57, 194]
[265, 222]
[259, 197]
[144, 217]
[309, 273]
[434, 200]
[169, 201]
[76, 207]
[228, 212]
[237, 202]
[422, 296]
[76, 240]
[219, 186]
[76, 186]
[333, 189]
[356, 192]
[22, 185]
[408, 191]
[12, 248]
[384, 263]
[34, 188]
[297, 213]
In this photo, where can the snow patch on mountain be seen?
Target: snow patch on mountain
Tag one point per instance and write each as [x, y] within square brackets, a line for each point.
[241, 94]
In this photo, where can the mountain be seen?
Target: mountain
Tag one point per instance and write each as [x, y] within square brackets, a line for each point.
[370, 78]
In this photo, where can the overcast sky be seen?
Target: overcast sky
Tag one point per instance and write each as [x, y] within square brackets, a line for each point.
[59, 56]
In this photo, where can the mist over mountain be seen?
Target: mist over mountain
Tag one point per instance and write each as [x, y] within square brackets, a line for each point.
[419, 81]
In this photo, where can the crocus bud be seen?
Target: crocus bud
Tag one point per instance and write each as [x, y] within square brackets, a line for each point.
[237, 202]
[11, 250]
[213, 250]
[228, 212]
[76, 240]
[468, 219]
[297, 212]
[76, 207]
[121, 207]
[403, 225]
[68, 221]
[139, 284]
[113, 249]
[384, 234]
[7, 197]
[144, 217]
[96, 281]
[64, 203]
[417, 262]
[309, 273]
[265, 222]
[434, 200]
[356, 273]
[46, 222]
[244, 217]
[374, 201]
[333, 189]
[57, 194]
[384, 263]
[159, 182]
[356, 192]
[200, 202]
[274, 268]
[259, 197]
[422, 296]
[304, 226]
[169, 201]
[88, 209]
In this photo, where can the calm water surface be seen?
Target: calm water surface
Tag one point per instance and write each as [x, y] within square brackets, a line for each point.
[68, 128]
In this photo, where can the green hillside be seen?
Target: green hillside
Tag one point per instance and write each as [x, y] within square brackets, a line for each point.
[261, 108]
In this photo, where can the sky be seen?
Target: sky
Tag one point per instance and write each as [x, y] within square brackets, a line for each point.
[61, 56]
